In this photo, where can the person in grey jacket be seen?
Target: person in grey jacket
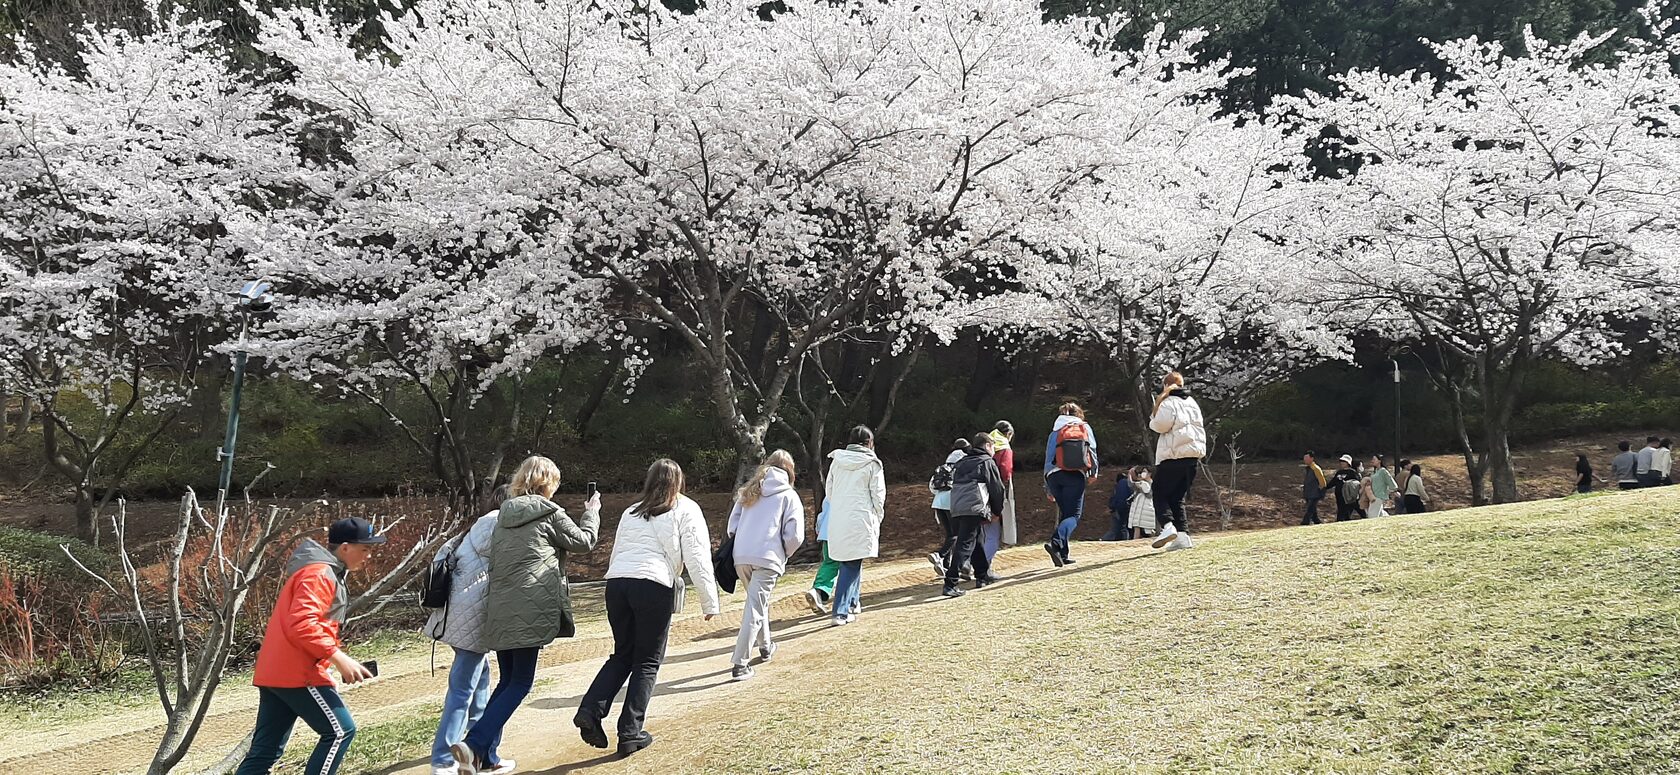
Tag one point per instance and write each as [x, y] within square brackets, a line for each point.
[461, 625]
[528, 603]
[977, 495]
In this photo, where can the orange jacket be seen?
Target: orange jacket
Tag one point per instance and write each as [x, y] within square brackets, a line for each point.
[303, 630]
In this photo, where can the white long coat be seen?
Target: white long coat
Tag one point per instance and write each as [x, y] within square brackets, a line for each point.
[857, 501]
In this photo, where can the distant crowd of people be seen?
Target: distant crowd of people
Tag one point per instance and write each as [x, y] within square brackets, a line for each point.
[1363, 489]
[1651, 466]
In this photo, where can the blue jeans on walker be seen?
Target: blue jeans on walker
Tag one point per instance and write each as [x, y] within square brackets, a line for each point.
[847, 587]
[1068, 490]
[463, 703]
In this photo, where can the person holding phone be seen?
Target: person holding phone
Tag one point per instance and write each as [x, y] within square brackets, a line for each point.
[301, 642]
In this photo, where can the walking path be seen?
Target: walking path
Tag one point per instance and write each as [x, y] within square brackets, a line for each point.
[696, 671]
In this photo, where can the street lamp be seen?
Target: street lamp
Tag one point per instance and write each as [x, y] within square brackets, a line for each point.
[1395, 360]
[255, 297]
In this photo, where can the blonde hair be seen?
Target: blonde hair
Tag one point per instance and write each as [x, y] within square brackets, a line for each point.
[536, 476]
[664, 484]
[1174, 378]
[753, 491]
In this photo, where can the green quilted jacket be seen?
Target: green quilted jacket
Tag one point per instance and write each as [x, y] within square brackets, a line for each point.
[529, 602]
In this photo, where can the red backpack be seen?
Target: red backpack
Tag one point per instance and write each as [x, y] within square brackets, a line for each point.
[1073, 448]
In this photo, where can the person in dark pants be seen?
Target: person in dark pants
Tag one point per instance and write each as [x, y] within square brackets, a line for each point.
[1120, 506]
[1346, 483]
[1583, 474]
[1312, 489]
[1070, 463]
[977, 495]
[658, 536]
[940, 486]
[1179, 450]
[301, 641]
[1416, 495]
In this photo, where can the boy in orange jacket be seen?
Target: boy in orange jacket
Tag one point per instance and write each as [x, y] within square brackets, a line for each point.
[300, 643]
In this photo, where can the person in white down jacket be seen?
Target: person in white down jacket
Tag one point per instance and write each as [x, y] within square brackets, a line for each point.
[1180, 448]
[658, 536]
[768, 523]
[857, 501]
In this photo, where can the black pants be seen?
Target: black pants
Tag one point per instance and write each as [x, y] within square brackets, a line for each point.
[1172, 483]
[943, 516]
[968, 545]
[1414, 505]
[639, 612]
[1347, 511]
[1311, 517]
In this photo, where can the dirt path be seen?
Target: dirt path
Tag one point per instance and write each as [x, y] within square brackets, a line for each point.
[122, 742]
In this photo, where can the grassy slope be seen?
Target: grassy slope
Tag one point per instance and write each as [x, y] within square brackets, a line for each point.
[1541, 637]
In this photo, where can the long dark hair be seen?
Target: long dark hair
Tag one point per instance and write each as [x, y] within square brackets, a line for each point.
[664, 484]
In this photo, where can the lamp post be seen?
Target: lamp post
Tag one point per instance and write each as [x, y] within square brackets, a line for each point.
[1395, 360]
[254, 297]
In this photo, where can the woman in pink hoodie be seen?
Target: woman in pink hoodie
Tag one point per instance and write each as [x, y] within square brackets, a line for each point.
[768, 523]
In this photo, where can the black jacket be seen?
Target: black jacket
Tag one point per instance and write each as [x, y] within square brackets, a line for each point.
[977, 486]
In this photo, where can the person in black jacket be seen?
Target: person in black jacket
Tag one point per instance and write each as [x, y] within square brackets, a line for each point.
[977, 495]
[1347, 496]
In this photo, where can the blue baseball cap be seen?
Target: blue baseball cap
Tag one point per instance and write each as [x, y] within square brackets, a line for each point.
[353, 530]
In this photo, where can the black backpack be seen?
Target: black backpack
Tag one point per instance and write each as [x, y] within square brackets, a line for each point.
[943, 477]
[434, 592]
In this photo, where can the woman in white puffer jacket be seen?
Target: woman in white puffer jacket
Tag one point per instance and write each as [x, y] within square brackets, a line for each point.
[768, 523]
[1179, 450]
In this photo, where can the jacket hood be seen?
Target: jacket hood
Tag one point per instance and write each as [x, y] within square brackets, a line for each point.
[956, 454]
[309, 553]
[1000, 442]
[972, 452]
[854, 458]
[1064, 421]
[525, 509]
[776, 482]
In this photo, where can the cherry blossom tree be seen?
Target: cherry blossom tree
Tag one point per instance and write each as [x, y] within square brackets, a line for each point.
[118, 187]
[1522, 207]
[716, 168]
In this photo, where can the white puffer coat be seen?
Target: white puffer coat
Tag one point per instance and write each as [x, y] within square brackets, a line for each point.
[857, 501]
[1179, 421]
[462, 624]
[661, 547]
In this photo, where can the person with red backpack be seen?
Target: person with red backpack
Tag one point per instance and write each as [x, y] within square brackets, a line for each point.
[1070, 463]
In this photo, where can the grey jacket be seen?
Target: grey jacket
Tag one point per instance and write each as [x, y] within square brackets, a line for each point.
[528, 603]
[461, 624]
[977, 486]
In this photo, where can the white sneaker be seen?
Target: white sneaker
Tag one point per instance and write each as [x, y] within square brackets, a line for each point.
[1167, 535]
[464, 759]
[1183, 542]
[857, 608]
[938, 564]
[814, 599]
[505, 768]
[840, 621]
[450, 770]
[851, 617]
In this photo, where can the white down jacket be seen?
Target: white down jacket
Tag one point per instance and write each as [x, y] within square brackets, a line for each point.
[661, 547]
[462, 624]
[857, 501]
[1179, 421]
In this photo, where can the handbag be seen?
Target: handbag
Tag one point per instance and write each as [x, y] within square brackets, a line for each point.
[723, 564]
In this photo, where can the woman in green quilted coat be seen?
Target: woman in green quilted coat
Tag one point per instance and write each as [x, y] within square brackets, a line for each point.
[529, 602]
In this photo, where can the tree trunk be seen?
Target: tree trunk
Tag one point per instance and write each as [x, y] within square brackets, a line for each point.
[597, 395]
[87, 525]
[1497, 461]
[25, 416]
[983, 381]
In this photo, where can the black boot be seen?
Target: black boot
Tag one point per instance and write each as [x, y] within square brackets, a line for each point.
[589, 728]
[634, 744]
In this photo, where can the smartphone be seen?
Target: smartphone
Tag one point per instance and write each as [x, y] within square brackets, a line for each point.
[592, 490]
[372, 666]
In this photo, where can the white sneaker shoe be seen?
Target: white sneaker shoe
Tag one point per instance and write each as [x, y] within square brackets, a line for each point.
[1183, 542]
[814, 599]
[450, 770]
[505, 768]
[1167, 535]
[938, 564]
[464, 759]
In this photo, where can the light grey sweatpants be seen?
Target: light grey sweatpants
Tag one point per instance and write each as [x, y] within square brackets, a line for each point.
[755, 617]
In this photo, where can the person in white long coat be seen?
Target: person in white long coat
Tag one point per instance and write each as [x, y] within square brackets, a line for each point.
[857, 501]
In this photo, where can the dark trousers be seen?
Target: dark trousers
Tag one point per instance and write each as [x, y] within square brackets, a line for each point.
[516, 670]
[968, 545]
[1650, 479]
[1172, 482]
[639, 612]
[278, 711]
[1311, 517]
[1347, 511]
[943, 516]
[1414, 505]
[1068, 489]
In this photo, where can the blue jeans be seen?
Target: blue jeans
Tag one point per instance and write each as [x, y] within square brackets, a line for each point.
[1068, 488]
[847, 586]
[463, 703]
[518, 669]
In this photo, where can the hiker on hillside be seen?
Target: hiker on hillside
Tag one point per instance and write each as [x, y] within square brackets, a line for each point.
[461, 625]
[940, 485]
[1119, 506]
[1401, 473]
[1345, 485]
[977, 497]
[1623, 466]
[1313, 484]
[298, 646]
[857, 495]
[1000, 532]
[1417, 496]
[1662, 462]
[1141, 518]
[1178, 451]
[528, 603]
[1584, 474]
[1383, 488]
[1644, 472]
[768, 524]
[1070, 463]
[659, 536]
